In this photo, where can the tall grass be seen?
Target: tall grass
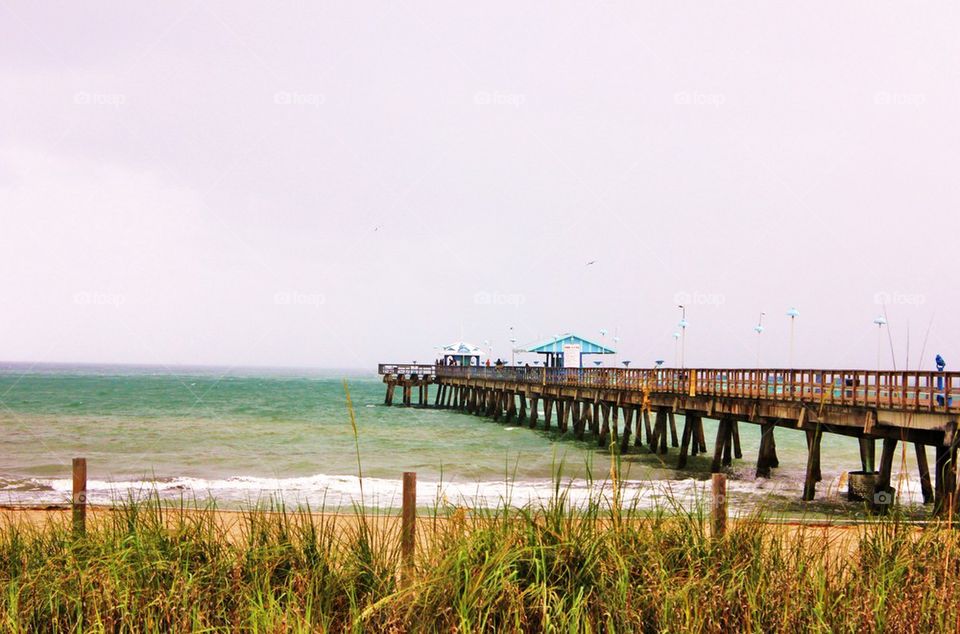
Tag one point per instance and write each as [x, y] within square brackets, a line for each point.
[545, 567]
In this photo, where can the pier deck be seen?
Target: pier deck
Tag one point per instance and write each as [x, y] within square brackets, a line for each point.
[617, 405]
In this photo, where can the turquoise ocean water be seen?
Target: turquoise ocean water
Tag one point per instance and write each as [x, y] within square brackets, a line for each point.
[246, 436]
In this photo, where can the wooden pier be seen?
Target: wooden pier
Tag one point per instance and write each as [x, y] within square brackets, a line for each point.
[637, 408]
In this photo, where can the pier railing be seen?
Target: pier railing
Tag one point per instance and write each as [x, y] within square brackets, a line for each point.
[407, 369]
[910, 391]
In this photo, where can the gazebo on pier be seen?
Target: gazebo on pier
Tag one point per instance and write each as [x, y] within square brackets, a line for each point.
[567, 350]
[460, 353]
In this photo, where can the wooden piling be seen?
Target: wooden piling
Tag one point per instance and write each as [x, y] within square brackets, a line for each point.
[926, 489]
[662, 416]
[882, 493]
[673, 429]
[763, 455]
[701, 437]
[388, 400]
[722, 434]
[627, 429]
[735, 432]
[563, 413]
[605, 426]
[646, 429]
[685, 441]
[718, 505]
[547, 412]
[868, 450]
[534, 411]
[813, 464]
[614, 425]
[408, 528]
[578, 418]
[522, 416]
[79, 496]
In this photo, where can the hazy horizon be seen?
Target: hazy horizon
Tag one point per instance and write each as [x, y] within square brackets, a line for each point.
[233, 185]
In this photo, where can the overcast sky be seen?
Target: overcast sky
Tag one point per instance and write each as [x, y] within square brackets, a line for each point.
[337, 184]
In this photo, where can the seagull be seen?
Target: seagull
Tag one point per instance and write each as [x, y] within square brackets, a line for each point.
[591, 262]
[377, 228]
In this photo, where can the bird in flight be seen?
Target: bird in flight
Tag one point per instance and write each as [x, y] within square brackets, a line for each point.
[591, 262]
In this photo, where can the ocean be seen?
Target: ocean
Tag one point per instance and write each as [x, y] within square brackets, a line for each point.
[260, 436]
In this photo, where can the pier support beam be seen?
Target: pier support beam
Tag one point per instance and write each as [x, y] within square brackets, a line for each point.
[701, 437]
[868, 454]
[673, 429]
[735, 433]
[646, 429]
[627, 428]
[689, 422]
[534, 411]
[882, 484]
[723, 434]
[926, 489]
[813, 464]
[764, 455]
[388, 400]
[605, 426]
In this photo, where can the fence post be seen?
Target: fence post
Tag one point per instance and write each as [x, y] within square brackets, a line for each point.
[408, 527]
[79, 496]
[718, 504]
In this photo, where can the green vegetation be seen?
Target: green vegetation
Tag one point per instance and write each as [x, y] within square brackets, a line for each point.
[145, 567]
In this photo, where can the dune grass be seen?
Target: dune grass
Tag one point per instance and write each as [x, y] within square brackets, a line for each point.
[550, 567]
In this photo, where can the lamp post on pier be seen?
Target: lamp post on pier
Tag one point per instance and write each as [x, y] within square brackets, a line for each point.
[880, 321]
[683, 332]
[759, 330]
[793, 313]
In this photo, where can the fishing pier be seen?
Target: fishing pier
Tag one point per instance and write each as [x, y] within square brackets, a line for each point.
[637, 409]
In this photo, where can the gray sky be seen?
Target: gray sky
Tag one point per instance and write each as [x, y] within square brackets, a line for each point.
[341, 184]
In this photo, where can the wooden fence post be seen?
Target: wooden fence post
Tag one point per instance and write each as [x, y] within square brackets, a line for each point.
[408, 527]
[718, 504]
[79, 496]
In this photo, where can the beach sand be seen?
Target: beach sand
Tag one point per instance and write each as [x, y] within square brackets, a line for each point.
[840, 539]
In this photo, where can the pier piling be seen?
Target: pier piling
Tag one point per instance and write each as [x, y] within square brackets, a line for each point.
[79, 503]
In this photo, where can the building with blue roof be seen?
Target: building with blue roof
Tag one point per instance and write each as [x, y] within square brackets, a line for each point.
[567, 350]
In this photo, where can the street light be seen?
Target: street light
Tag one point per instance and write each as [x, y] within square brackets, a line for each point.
[676, 348]
[880, 321]
[759, 330]
[683, 332]
[793, 313]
